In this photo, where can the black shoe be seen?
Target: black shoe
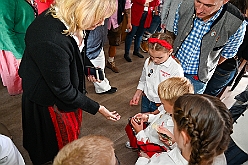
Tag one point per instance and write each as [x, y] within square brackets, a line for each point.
[138, 54]
[128, 59]
[112, 90]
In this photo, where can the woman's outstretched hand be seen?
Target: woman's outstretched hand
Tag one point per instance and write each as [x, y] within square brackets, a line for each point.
[114, 116]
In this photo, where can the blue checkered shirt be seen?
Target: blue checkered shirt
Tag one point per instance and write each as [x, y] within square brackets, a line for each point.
[189, 52]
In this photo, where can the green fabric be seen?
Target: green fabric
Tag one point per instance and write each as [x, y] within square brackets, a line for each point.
[15, 17]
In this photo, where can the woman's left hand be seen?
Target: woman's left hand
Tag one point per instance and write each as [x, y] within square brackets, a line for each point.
[114, 116]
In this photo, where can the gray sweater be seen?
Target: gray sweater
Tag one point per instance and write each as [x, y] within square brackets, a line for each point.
[168, 13]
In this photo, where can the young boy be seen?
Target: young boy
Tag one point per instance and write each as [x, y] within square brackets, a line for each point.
[88, 150]
[169, 90]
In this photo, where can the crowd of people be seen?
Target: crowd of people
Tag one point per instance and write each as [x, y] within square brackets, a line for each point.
[60, 44]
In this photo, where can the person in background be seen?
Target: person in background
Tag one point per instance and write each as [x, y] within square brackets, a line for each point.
[226, 71]
[88, 150]
[169, 90]
[42, 5]
[201, 41]
[9, 154]
[158, 67]
[154, 27]
[95, 53]
[168, 15]
[13, 28]
[199, 137]
[141, 18]
[115, 25]
[53, 80]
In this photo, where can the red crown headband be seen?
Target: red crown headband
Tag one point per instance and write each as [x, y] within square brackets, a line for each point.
[161, 42]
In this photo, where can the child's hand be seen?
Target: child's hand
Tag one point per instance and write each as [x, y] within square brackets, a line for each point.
[134, 101]
[163, 26]
[142, 117]
[138, 126]
[136, 97]
[166, 141]
[143, 154]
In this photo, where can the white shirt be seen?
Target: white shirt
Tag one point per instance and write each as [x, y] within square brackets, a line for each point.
[150, 133]
[9, 154]
[152, 75]
[174, 157]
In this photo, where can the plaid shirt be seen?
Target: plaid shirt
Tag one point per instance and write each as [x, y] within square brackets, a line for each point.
[189, 52]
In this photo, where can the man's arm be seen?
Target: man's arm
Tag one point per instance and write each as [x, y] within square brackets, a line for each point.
[231, 47]
[165, 11]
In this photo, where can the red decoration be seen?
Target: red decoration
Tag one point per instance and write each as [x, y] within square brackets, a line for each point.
[161, 42]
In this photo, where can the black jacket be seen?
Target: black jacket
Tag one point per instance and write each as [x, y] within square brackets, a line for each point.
[52, 68]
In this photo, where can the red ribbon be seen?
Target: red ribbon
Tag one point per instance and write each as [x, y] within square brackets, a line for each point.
[161, 42]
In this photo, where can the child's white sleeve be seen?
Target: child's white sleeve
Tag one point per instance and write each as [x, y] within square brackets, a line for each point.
[9, 154]
[141, 136]
[151, 118]
[161, 108]
[142, 80]
[142, 161]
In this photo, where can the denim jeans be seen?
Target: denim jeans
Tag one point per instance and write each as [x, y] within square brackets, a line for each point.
[155, 24]
[147, 105]
[199, 86]
[218, 81]
[138, 31]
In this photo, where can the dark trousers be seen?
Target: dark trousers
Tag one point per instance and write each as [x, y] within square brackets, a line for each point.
[234, 155]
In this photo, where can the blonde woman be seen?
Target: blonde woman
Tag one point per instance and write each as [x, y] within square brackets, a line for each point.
[52, 72]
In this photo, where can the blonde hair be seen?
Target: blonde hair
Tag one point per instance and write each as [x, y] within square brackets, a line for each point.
[88, 150]
[174, 87]
[80, 15]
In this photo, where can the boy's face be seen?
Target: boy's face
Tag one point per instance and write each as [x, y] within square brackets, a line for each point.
[167, 106]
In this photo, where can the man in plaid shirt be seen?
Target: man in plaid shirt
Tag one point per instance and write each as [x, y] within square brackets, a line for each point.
[207, 33]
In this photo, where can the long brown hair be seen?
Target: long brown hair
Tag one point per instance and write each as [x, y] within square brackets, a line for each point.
[207, 122]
